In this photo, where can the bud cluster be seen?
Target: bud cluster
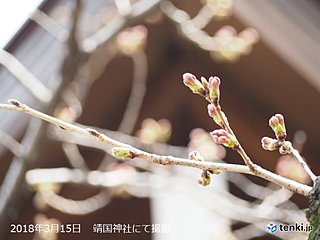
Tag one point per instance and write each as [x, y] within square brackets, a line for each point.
[269, 144]
[205, 176]
[277, 124]
[209, 89]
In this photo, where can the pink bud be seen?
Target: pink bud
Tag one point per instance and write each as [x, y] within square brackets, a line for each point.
[222, 137]
[205, 178]
[276, 122]
[214, 91]
[269, 144]
[214, 82]
[212, 111]
[189, 79]
[192, 82]
[286, 148]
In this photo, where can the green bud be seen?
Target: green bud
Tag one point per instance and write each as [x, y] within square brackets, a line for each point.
[276, 122]
[214, 89]
[205, 178]
[212, 111]
[204, 82]
[123, 153]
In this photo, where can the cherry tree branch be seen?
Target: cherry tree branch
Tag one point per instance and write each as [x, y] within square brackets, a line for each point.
[160, 159]
[303, 164]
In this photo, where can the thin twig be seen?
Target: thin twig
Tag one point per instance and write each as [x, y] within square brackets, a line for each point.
[159, 148]
[74, 156]
[105, 34]
[159, 159]
[138, 90]
[303, 164]
[76, 207]
[239, 148]
[248, 187]
[135, 101]
[188, 28]
[11, 143]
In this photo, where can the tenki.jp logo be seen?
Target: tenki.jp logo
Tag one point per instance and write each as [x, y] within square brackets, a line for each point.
[272, 227]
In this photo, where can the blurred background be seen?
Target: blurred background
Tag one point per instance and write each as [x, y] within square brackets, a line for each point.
[116, 66]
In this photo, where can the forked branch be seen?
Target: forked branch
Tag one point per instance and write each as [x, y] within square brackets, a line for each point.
[123, 150]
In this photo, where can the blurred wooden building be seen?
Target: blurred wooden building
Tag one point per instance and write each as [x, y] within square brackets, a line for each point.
[281, 74]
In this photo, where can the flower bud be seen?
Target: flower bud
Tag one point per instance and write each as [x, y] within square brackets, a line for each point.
[286, 148]
[132, 40]
[212, 111]
[204, 83]
[205, 178]
[269, 144]
[214, 91]
[222, 137]
[123, 153]
[276, 122]
[195, 155]
[192, 82]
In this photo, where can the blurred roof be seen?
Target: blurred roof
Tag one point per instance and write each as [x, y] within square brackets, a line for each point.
[291, 28]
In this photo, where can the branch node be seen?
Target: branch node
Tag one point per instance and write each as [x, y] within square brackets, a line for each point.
[93, 132]
[123, 153]
[15, 103]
